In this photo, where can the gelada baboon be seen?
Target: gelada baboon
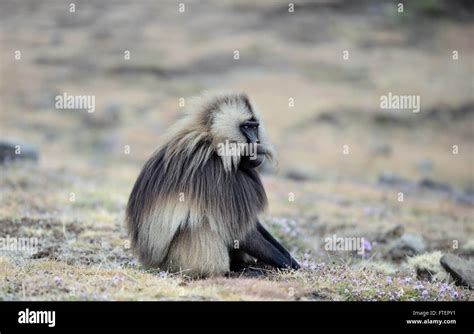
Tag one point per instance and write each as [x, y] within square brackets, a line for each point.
[195, 205]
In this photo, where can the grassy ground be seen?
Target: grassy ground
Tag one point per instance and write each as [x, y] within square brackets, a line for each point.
[73, 200]
[84, 252]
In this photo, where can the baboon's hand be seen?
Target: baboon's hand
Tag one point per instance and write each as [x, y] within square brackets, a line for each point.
[265, 248]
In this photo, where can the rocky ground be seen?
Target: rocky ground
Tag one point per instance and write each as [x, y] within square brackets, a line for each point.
[71, 189]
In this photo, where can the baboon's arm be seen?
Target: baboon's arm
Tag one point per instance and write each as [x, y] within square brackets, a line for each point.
[274, 242]
[256, 245]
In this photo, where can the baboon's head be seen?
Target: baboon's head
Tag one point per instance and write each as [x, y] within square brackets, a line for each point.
[237, 131]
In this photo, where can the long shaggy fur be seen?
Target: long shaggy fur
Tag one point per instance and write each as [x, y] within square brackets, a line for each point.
[189, 205]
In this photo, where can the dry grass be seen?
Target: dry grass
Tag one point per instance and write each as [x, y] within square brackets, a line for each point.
[84, 255]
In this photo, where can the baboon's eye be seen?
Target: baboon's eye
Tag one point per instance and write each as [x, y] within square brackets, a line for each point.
[250, 131]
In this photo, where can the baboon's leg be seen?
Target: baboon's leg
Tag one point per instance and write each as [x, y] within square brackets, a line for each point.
[198, 252]
[262, 249]
[279, 246]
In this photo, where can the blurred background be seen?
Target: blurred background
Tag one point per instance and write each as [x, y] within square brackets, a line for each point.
[291, 63]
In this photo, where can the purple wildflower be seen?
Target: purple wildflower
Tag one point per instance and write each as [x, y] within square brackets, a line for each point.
[367, 246]
[117, 279]
[163, 274]
[444, 287]
[419, 286]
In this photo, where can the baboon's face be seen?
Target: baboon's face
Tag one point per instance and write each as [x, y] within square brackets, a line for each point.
[235, 122]
[228, 121]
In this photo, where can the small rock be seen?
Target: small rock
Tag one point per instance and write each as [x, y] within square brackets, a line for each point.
[388, 119]
[395, 232]
[299, 174]
[461, 270]
[406, 245]
[328, 117]
[464, 198]
[390, 234]
[435, 185]
[12, 150]
[392, 179]
[48, 252]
